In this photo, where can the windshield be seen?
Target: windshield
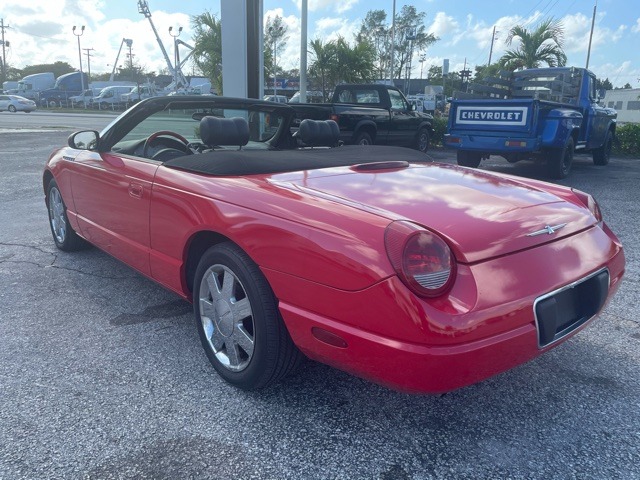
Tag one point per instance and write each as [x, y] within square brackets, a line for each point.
[263, 125]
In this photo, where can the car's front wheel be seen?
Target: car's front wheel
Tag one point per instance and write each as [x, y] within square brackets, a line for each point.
[64, 235]
[238, 320]
[12, 109]
[601, 155]
[422, 140]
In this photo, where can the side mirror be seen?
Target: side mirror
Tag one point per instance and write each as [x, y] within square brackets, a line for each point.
[84, 140]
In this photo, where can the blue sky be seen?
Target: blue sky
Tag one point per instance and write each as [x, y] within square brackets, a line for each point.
[41, 30]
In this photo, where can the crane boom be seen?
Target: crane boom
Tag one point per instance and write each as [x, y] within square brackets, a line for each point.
[176, 72]
[115, 64]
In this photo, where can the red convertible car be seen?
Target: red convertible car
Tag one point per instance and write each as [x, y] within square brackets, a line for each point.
[419, 276]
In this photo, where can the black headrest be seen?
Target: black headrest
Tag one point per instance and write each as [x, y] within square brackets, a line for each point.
[319, 133]
[224, 131]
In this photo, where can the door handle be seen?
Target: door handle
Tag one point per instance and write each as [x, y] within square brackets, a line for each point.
[135, 190]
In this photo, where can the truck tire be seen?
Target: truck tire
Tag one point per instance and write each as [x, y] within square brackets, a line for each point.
[52, 104]
[601, 155]
[469, 159]
[559, 160]
[363, 138]
[422, 140]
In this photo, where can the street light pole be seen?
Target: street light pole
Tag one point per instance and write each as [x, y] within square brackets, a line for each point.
[79, 53]
[86, 52]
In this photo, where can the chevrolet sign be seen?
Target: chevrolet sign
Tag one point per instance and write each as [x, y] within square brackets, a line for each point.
[516, 116]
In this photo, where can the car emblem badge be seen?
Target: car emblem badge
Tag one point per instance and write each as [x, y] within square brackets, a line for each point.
[548, 229]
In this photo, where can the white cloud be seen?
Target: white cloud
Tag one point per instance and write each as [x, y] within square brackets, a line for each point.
[338, 6]
[636, 27]
[443, 25]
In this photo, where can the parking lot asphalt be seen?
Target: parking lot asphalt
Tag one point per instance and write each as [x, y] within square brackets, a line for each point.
[102, 375]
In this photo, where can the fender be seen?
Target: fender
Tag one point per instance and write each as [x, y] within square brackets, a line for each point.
[366, 123]
[559, 126]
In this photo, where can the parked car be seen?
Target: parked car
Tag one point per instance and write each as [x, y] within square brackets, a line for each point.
[419, 276]
[372, 114]
[275, 98]
[16, 103]
[85, 98]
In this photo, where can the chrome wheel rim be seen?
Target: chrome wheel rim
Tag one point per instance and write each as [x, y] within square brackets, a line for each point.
[423, 142]
[56, 215]
[227, 318]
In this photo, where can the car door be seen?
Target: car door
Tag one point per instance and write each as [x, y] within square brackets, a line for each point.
[111, 195]
[597, 118]
[403, 124]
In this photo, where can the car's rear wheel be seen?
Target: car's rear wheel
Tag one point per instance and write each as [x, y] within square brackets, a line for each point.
[238, 320]
[64, 235]
[422, 140]
[363, 138]
[12, 109]
[469, 159]
[601, 155]
[559, 160]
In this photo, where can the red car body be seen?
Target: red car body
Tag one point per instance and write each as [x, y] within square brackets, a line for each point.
[318, 236]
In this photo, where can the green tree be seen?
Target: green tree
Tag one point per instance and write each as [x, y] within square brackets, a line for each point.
[604, 84]
[275, 41]
[544, 44]
[207, 52]
[377, 33]
[323, 63]
[58, 68]
[410, 36]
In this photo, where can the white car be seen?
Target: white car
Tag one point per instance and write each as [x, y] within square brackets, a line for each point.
[16, 103]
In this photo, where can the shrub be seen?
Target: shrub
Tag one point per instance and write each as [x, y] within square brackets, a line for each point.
[628, 139]
[440, 127]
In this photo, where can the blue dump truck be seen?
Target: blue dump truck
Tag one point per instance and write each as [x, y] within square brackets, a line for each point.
[66, 86]
[543, 114]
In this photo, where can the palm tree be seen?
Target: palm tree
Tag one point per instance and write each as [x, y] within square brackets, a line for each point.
[207, 53]
[325, 60]
[542, 45]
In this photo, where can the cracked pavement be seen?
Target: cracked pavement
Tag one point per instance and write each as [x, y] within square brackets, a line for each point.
[102, 375]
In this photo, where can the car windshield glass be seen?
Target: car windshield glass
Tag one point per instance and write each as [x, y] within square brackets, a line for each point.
[263, 125]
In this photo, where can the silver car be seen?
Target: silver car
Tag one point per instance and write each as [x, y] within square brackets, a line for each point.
[16, 103]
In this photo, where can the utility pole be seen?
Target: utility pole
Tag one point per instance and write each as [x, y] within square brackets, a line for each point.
[593, 21]
[79, 53]
[4, 56]
[87, 50]
[493, 37]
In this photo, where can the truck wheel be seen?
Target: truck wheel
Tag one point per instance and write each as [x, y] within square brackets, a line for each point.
[363, 138]
[422, 140]
[601, 155]
[559, 160]
[52, 104]
[469, 159]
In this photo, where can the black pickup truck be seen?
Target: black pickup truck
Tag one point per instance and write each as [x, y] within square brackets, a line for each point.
[372, 114]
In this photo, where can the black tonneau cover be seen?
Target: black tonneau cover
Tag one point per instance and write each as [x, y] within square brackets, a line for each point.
[254, 162]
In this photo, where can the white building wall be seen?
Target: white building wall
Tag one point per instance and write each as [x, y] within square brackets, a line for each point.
[626, 102]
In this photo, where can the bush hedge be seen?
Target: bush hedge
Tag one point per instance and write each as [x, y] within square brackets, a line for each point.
[627, 140]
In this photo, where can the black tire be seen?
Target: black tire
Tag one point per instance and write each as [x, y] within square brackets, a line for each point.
[12, 109]
[559, 160]
[363, 138]
[469, 159]
[601, 155]
[64, 236]
[422, 140]
[238, 321]
[52, 104]
[104, 106]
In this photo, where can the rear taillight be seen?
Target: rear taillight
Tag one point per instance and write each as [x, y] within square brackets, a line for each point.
[589, 202]
[423, 261]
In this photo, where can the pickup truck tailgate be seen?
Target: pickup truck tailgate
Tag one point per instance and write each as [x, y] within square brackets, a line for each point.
[513, 116]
